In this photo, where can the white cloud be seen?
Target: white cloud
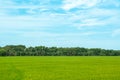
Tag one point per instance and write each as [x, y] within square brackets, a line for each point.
[91, 17]
[95, 17]
[82, 18]
[69, 4]
[89, 23]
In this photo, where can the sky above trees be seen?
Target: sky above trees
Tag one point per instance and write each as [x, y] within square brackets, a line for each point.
[66, 23]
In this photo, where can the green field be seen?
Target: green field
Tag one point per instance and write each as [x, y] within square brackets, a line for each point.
[60, 68]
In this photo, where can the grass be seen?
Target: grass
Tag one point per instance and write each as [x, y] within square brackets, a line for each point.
[60, 68]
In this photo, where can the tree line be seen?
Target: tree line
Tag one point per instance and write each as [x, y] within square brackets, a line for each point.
[22, 50]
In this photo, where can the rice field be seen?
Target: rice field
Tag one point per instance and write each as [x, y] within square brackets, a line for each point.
[60, 68]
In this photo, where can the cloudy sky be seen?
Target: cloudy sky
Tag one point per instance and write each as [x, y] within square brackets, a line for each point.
[65, 23]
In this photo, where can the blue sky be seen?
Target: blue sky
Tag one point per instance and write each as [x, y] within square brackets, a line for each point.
[62, 23]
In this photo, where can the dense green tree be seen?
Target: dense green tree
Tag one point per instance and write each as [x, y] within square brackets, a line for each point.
[21, 50]
[3, 52]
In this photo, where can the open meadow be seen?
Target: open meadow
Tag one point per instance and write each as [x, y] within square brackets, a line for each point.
[60, 68]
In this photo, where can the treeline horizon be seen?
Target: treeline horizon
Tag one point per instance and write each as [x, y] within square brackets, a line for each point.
[22, 50]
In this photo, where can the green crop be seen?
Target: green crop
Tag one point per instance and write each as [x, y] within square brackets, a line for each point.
[60, 68]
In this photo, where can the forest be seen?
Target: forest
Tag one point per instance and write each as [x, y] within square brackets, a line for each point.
[22, 50]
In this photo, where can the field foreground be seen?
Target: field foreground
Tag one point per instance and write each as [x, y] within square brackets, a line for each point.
[60, 68]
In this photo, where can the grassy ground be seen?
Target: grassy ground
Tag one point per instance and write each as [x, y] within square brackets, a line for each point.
[59, 68]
